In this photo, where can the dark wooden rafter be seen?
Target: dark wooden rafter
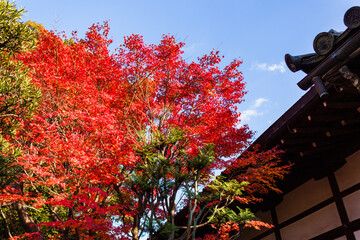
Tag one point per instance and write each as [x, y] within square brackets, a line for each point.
[304, 143]
[295, 140]
[320, 130]
[309, 130]
[342, 131]
[353, 121]
[312, 151]
[326, 118]
[341, 105]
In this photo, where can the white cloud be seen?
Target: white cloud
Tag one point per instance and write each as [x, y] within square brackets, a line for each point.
[248, 114]
[272, 68]
[253, 110]
[259, 102]
[261, 66]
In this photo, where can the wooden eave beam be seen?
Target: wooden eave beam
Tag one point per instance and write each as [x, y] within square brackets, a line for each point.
[295, 141]
[342, 131]
[328, 118]
[309, 130]
[352, 121]
[341, 105]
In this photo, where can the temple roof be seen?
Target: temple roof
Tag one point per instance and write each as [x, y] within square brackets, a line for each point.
[323, 126]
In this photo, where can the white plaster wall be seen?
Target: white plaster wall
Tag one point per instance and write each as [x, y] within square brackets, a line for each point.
[308, 195]
[313, 225]
[302, 198]
[349, 174]
[270, 237]
[357, 234]
[352, 205]
[251, 232]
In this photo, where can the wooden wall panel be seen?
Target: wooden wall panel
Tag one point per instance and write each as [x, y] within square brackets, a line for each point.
[302, 198]
[327, 219]
[352, 205]
[357, 234]
[270, 237]
[313, 225]
[349, 174]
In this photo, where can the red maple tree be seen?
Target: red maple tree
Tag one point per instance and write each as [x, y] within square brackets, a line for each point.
[120, 136]
[74, 145]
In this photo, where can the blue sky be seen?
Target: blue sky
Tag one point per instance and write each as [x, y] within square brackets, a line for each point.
[259, 32]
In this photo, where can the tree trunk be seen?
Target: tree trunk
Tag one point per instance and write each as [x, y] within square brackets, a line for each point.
[26, 220]
[135, 228]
